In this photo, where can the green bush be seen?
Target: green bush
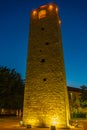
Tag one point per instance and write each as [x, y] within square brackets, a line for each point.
[79, 115]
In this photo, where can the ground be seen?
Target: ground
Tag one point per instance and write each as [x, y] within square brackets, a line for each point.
[14, 124]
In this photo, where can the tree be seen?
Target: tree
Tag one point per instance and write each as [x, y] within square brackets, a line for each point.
[11, 89]
[83, 96]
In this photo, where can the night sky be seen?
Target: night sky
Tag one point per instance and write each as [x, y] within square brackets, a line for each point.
[14, 30]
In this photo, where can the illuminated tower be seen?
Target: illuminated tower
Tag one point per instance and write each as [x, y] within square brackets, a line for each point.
[45, 99]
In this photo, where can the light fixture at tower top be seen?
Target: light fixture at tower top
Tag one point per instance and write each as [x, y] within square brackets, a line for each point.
[34, 12]
[59, 21]
[42, 10]
[56, 9]
[50, 6]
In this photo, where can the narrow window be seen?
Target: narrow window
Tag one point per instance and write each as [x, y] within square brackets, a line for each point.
[44, 79]
[47, 43]
[42, 28]
[43, 60]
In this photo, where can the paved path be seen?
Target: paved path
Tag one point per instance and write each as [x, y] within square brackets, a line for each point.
[13, 124]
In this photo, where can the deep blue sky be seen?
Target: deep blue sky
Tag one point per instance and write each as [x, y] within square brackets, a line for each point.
[14, 29]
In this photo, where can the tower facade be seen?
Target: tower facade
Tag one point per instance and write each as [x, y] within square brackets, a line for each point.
[45, 98]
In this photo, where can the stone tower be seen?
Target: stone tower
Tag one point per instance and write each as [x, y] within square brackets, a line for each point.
[45, 99]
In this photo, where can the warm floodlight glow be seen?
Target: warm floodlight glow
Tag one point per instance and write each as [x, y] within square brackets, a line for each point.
[59, 21]
[56, 9]
[21, 123]
[32, 122]
[50, 7]
[34, 12]
[54, 121]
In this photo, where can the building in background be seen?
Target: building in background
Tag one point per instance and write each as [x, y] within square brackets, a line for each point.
[77, 102]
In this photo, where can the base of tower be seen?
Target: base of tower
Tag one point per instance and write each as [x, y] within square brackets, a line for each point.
[54, 128]
[44, 127]
[57, 128]
[80, 127]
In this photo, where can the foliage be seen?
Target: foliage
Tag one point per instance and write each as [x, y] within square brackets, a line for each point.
[79, 115]
[83, 96]
[73, 102]
[11, 89]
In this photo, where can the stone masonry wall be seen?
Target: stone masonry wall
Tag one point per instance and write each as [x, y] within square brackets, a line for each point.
[45, 100]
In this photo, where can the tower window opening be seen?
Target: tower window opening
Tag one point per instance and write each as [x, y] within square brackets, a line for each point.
[44, 79]
[43, 60]
[40, 50]
[47, 43]
[42, 28]
[42, 14]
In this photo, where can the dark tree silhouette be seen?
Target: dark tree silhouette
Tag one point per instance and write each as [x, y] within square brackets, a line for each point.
[11, 89]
